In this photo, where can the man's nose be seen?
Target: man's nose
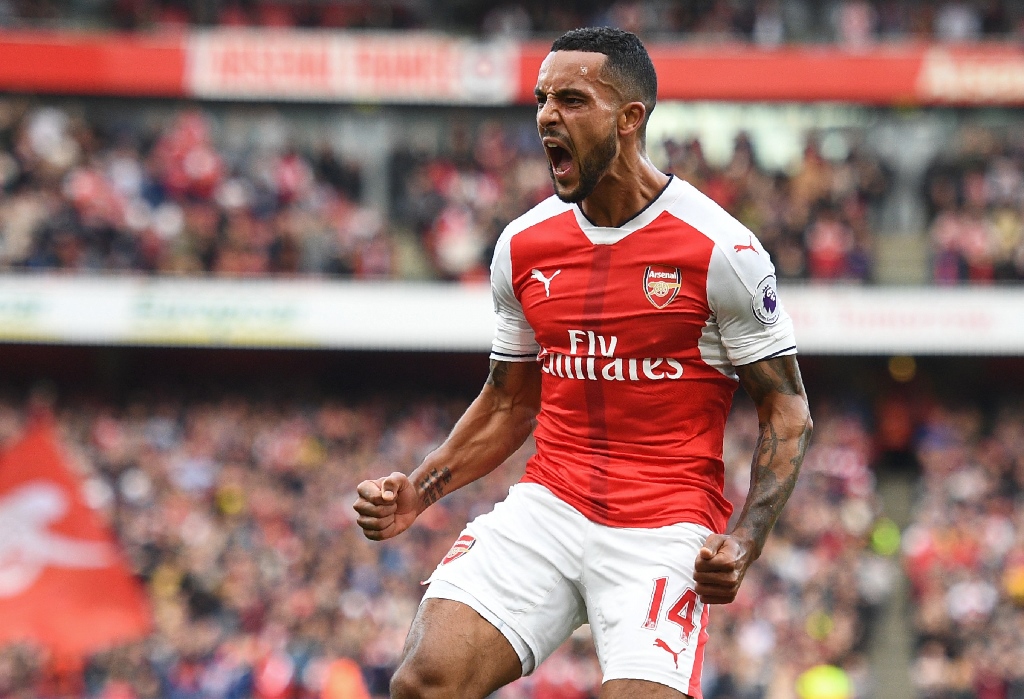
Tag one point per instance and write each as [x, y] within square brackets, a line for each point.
[548, 114]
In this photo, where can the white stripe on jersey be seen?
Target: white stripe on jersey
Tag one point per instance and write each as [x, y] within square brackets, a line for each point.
[733, 335]
[513, 337]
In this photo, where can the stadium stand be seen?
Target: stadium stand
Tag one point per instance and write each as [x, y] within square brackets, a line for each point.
[234, 513]
[964, 553]
[765, 22]
[192, 191]
[185, 190]
[974, 193]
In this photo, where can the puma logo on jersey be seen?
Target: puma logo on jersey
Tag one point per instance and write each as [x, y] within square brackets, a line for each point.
[665, 647]
[546, 281]
[738, 248]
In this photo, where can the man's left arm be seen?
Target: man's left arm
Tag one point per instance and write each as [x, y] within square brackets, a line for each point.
[785, 430]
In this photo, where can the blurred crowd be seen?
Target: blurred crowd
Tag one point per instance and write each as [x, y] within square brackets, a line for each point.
[236, 515]
[176, 195]
[811, 597]
[763, 22]
[964, 555]
[82, 194]
[975, 200]
[194, 191]
[817, 222]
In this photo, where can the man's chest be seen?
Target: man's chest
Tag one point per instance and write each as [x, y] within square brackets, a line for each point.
[645, 292]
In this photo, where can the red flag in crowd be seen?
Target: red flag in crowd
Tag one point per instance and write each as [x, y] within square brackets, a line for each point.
[63, 583]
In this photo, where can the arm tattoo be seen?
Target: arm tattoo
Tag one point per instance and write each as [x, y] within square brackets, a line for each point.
[777, 375]
[432, 486]
[802, 444]
[778, 457]
[499, 374]
[767, 445]
[771, 482]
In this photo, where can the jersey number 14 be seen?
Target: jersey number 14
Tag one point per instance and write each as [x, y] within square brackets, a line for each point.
[681, 612]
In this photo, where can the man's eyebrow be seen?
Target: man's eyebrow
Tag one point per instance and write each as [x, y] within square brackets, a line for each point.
[562, 93]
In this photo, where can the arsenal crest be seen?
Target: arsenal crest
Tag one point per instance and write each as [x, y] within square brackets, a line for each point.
[461, 546]
[661, 284]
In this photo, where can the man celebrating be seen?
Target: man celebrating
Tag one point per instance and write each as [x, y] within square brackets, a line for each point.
[629, 308]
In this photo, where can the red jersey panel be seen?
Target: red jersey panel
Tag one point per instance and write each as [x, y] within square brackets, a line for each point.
[634, 402]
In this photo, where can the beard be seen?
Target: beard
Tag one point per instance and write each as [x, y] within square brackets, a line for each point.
[591, 169]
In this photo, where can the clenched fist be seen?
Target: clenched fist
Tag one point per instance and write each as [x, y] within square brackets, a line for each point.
[386, 506]
[720, 566]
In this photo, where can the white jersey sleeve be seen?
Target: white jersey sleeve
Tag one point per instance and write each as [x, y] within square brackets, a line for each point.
[744, 300]
[513, 337]
[748, 322]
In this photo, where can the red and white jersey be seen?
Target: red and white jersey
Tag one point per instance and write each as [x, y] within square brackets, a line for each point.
[638, 330]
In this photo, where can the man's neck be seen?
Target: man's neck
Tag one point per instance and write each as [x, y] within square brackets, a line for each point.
[625, 190]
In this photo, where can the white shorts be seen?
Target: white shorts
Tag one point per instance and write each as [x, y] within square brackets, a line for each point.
[537, 569]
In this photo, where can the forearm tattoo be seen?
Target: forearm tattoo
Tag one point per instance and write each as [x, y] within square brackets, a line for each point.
[777, 459]
[772, 480]
[778, 375]
[431, 487]
[499, 374]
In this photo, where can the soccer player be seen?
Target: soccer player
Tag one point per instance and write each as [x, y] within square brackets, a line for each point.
[629, 308]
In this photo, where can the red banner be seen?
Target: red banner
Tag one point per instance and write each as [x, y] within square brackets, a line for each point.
[417, 68]
[92, 64]
[63, 583]
[887, 75]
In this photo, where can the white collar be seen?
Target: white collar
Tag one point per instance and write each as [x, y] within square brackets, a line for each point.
[603, 235]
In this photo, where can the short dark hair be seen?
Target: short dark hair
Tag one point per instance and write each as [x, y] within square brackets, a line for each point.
[628, 61]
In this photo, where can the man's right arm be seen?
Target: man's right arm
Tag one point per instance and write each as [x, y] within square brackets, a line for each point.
[494, 426]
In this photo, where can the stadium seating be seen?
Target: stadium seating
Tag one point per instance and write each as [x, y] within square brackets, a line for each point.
[964, 553]
[193, 191]
[235, 514]
[851, 22]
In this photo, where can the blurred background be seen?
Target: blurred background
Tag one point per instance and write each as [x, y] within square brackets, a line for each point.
[244, 249]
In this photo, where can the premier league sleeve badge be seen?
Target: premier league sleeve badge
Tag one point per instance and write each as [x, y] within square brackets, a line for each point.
[765, 303]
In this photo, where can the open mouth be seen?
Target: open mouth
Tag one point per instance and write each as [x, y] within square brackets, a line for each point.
[560, 159]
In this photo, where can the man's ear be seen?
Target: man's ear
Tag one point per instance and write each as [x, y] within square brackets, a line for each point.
[631, 117]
